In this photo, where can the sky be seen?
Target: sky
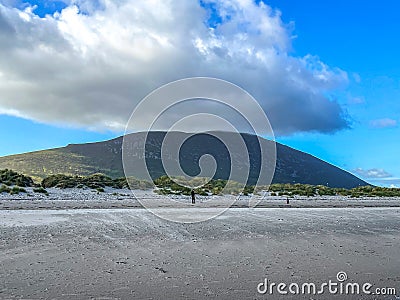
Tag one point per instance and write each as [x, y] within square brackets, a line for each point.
[326, 73]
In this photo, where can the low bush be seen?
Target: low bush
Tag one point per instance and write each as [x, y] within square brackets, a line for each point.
[41, 190]
[16, 190]
[309, 190]
[95, 181]
[4, 189]
[9, 178]
[178, 186]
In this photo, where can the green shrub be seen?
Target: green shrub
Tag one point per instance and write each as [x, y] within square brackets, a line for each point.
[94, 181]
[167, 185]
[59, 180]
[310, 190]
[41, 190]
[9, 177]
[4, 189]
[16, 190]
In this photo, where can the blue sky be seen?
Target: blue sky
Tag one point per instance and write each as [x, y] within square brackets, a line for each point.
[359, 38]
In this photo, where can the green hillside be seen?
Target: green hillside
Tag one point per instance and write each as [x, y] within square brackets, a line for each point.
[41, 164]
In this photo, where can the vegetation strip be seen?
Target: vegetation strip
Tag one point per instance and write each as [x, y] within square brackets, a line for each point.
[14, 183]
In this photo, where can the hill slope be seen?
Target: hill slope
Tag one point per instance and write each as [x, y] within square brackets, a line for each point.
[292, 166]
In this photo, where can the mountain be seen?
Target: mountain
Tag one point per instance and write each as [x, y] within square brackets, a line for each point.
[292, 166]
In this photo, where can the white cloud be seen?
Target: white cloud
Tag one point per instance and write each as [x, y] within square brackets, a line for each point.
[392, 182]
[383, 123]
[90, 69]
[372, 173]
[378, 177]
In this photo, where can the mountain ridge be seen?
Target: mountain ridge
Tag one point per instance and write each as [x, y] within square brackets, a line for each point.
[292, 166]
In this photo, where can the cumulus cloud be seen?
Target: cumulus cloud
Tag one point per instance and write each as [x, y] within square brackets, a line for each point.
[383, 123]
[372, 173]
[91, 63]
[378, 177]
[392, 182]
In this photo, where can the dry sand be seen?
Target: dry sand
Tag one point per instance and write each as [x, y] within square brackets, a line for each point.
[124, 198]
[132, 254]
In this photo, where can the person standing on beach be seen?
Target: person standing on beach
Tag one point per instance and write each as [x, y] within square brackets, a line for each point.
[193, 197]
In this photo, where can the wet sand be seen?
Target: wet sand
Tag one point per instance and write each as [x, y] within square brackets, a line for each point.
[132, 254]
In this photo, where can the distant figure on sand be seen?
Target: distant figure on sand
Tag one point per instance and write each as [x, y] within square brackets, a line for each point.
[287, 200]
[193, 198]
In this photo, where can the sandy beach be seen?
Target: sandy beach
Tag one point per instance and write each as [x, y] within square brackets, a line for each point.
[74, 198]
[132, 254]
